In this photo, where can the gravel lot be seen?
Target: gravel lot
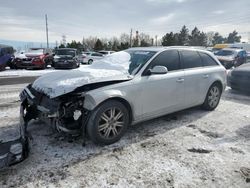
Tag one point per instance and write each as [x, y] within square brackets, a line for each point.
[192, 148]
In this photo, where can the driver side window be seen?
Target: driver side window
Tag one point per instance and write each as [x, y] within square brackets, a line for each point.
[168, 58]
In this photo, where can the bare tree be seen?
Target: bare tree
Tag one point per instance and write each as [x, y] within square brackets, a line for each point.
[90, 42]
[145, 39]
[210, 38]
[124, 38]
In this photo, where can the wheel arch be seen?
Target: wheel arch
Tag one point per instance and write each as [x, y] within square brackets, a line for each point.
[91, 104]
[219, 83]
[125, 103]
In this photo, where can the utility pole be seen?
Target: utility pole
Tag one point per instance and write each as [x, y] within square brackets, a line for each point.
[156, 41]
[64, 40]
[131, 32]
[47, 36]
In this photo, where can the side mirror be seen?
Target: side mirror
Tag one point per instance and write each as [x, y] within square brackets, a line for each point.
[159, 70]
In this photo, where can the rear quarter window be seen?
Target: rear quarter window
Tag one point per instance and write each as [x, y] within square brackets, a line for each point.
[97, 54]
[207, 60]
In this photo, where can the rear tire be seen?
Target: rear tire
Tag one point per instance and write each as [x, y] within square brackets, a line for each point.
[213, 97]
[12, 66]
[108, 122]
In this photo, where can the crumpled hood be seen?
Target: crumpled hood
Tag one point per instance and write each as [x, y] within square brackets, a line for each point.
[61, 82]
[58, 83]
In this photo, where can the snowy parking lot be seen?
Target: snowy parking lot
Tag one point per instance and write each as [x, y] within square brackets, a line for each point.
[192, 148]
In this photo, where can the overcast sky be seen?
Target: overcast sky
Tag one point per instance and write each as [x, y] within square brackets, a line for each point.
[24, 20]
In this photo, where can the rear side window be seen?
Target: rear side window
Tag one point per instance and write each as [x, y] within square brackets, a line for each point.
[207, 60]
[190, 59]
[96, 54]
[169, 59]
[105, 53]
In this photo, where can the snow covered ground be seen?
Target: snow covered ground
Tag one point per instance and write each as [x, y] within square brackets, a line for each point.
[192, 148]
[24, 72]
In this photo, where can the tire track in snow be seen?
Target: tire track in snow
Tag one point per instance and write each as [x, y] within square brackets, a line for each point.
[11, 112]
[10, 94]
[9, 102]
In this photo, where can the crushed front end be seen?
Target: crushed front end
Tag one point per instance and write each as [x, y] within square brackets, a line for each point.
[65, 113]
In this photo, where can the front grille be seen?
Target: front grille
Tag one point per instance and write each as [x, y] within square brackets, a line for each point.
[27, 59]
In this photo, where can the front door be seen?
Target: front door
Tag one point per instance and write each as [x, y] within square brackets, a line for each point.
[163, 93]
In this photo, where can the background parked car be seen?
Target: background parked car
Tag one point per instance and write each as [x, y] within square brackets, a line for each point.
[6, 56]
[90, 57]
[218, 47]
[34, 58]
[239, 78]
[104, 52]
[230, 57]
[66, 58]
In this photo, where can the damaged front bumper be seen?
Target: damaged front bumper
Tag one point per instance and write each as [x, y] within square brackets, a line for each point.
[15, 151]
[64, 113]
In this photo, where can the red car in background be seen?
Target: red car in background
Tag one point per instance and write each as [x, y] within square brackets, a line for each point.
[35, 58]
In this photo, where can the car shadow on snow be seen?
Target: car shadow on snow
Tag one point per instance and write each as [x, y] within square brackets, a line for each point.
[236, 96]
[51, 151]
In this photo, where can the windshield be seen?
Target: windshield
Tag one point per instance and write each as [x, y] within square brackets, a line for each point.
[65, 52]
[129, 61]
[225, 53]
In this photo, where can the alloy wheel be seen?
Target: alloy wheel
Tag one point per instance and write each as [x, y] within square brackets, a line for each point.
[214, 96]
[111, 123]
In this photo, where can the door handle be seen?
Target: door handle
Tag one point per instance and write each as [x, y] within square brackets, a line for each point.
[180, 80]
[205, 76]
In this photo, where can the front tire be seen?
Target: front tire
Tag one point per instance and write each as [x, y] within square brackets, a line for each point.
[213, 97]
[108, 123]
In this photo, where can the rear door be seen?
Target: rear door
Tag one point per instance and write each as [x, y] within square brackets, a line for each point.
[196, 77]
[97, 56]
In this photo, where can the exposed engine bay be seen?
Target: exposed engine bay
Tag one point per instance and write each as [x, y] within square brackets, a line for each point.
[65, 113]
